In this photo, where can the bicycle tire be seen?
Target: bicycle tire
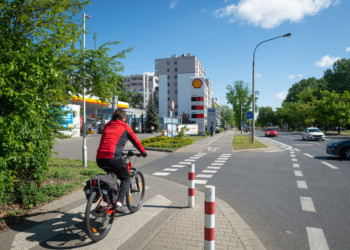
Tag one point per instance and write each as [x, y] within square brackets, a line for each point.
[136, 192]
[97, 221]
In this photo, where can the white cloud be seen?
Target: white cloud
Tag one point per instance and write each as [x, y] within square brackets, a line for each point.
[326, 61]
[271, 13]
[258, 75]
[291, 77]
[282, 95]
[173, 4]
[301, 75]
[347, 49]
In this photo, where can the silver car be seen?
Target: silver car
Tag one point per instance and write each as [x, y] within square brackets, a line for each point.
[313, 134]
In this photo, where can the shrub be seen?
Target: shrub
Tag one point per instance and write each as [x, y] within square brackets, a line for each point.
[30, 195]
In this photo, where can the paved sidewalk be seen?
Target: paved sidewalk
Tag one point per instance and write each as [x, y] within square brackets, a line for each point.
[185, 229]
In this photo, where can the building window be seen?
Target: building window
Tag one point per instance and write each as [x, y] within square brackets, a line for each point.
[175, 84]
[168, 77]
[175, 91]
[167, 63]
[168, 84]
[168, 98]
[168, 70]
[168, 91]
[175, 76]
[175, 62]
[175, 69]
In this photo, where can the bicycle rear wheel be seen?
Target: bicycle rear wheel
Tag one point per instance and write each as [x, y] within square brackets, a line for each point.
[98, 220]
[136, 192]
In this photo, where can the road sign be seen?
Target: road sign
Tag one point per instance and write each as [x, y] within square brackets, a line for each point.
[249, 115]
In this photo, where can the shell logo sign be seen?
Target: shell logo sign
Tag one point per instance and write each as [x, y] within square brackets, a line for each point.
[197, 83]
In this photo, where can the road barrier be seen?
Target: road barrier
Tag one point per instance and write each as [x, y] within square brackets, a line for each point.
[209, 218]
[191, 186]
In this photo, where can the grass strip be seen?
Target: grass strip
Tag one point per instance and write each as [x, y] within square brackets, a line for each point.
[242, 142]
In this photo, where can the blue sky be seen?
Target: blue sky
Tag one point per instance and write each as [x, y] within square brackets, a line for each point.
[223, 35]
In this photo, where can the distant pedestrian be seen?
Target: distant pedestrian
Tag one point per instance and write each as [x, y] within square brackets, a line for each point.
[211, 130]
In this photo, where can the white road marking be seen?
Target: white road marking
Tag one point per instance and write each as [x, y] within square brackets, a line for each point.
[307, 205]
[210, 167]
[317, 240]
[198, 155]
[59, 225]
[297, 149]
[160, 173]
[226, 154]
[194, 157]
[284, 145]
[178, 166]
[170, 169]
[294, 159]
[201, 153]
[217, 164]
[184, 162]
[329, 165]
[308, 155]
[296, 165]
[204, 175]
[292, 156]
[213, 140]
[201, 181]
[190, 160]
[210, 171]
[302, 185]
[221, 161]
[298, 173]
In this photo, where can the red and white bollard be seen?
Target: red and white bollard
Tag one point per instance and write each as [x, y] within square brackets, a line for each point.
[191, 186]
[209, 218]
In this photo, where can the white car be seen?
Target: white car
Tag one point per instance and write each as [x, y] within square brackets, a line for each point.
[313, 134]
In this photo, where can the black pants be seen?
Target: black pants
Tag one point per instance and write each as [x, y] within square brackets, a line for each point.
[117, 166]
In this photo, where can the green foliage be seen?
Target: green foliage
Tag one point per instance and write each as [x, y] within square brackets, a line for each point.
[37, 39]
[239, 96]
[91, 172]
[152, 116]
[58, 190]
[227, 115]
[61, 174]
[30, 195]
[165, 142]
[182, 131]
[338, 78]
[267, 116]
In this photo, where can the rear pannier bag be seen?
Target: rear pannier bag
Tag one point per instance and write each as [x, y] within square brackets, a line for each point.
[108, 185]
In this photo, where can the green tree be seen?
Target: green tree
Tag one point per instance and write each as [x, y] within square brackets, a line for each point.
[338, 78]
[37, 41]
[227, 116]
[298, 87]
[267, 116]
[239, 96]
[152, 116]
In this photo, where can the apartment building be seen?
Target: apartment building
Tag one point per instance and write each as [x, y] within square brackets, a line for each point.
[182, 80]
[145, 84]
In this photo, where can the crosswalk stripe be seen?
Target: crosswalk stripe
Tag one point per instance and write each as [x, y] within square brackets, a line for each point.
[210, 171]
[170, 169]
[210, 167]
[194, 157]
[190, 160]
[160, 173]
[178, 166]
[184, 162]
[204, 175]
[201, 182]
[217, 164]
[220, 161]
[296, 165]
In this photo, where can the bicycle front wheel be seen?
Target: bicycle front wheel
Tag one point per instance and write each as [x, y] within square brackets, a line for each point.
[136, 192]
[98, 220]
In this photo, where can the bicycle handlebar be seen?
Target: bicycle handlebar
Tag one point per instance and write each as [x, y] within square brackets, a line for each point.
[132, 153]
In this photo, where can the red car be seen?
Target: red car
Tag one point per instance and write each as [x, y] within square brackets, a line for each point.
[270, 131]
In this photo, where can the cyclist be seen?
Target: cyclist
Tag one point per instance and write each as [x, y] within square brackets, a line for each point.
[109, 154]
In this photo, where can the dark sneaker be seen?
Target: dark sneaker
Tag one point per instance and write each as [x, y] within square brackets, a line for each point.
[120, 209]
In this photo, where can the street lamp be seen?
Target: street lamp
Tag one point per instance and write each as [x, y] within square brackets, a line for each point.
[253, 87]
[84, 106]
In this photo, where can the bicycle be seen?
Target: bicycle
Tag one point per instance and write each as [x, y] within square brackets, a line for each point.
[99, 218]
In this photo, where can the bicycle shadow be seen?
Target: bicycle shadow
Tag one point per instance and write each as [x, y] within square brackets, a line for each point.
[64, 231]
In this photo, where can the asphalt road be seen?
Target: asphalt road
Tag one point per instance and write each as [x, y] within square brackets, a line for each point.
[295, 197]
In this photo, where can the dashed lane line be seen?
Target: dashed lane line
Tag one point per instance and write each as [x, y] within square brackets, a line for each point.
[297, 149]
[302, 185]
[296, 165]
[317, 240]
[307, 205]
[329, 165]
[298, 173]
[294, 159]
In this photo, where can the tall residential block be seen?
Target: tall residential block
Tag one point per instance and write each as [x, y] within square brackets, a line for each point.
[182, 80]
[145, 84]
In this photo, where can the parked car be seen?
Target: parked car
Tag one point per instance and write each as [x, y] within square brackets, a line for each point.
[271, 131]
[339, 148]
[313, 134]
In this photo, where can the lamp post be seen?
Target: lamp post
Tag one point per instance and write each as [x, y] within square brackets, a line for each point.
[253, 87]
[84, 105]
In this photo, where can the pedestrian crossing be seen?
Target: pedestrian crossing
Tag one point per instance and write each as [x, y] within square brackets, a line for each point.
[202, 177]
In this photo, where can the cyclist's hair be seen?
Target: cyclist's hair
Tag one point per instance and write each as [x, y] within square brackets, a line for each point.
[119, 114]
